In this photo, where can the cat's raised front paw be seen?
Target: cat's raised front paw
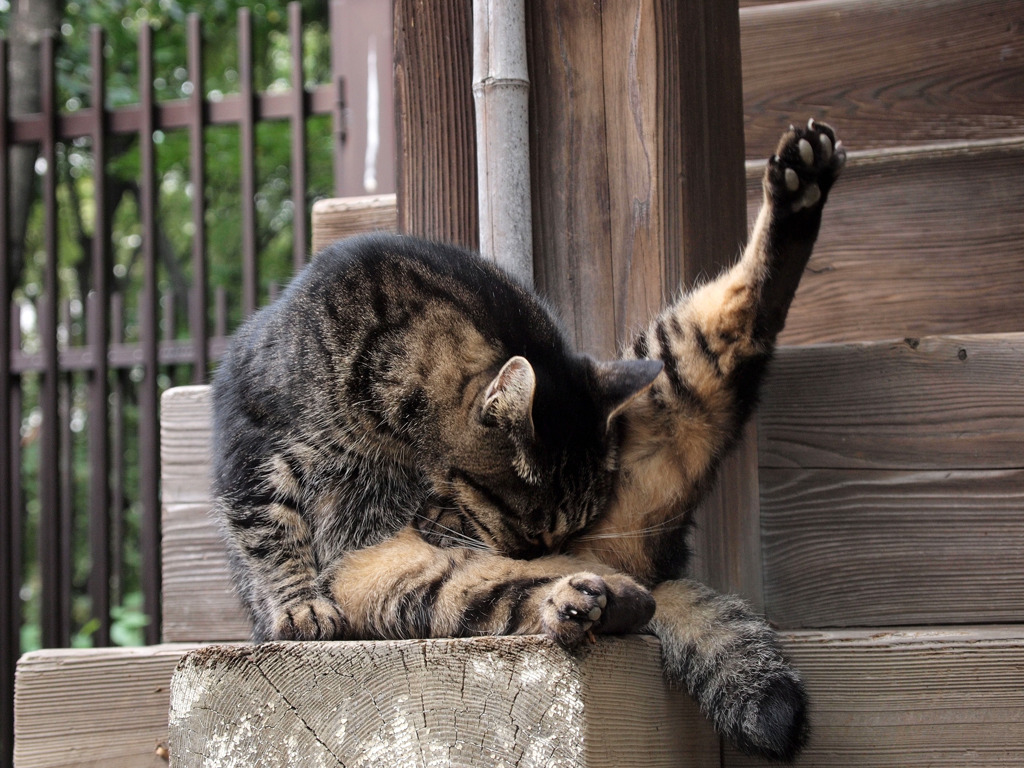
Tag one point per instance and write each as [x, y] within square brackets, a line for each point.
[316, 619]
[584, 602]
[805, 165]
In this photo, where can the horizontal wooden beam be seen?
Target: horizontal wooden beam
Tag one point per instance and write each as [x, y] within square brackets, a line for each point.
[94, 708]
[909, 699]
[885, 72]
[340, 217]
[942, 403]
[915, 242]
[869, 548]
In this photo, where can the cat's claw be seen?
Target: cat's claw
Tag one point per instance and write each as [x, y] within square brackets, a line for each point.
[585, 602]
[316, 619]
[804, 167]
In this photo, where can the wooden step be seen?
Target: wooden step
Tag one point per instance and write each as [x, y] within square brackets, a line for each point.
[917, 697]
[939, 697]
[887, 73]
[94, 708]
[892, 483]
[199, 603]
[915, 242]
[341, 217]
[488, 701]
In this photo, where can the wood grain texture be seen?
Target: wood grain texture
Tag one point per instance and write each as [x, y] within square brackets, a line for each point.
[885, 72]
[636, 156]
[94, 708]
[200, 604]
[938, 403]
[435, 130]
[892, 547]
[519, 702]
[915, 242]
[198, 600]
[937, 698]
[185, 439]
[339, 217]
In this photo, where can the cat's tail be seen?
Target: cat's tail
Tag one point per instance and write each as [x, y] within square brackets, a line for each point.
[729, 660]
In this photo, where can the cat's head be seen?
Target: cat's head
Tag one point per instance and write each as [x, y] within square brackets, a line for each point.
[539, 456]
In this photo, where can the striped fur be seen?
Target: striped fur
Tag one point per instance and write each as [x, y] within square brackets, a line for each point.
[406, 446]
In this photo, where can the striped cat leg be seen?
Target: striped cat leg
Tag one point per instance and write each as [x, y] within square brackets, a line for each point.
[271, 553]
[715, 341]
[408, 588]
[729, 660]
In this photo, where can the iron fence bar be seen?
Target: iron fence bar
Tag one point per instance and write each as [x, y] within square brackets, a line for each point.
[9, 577]
[98, 326]
[300, 226]
[199, 327]
[173, 115]
[117, 450]
[53, 621]
[336, 13]
[247, 140]
[149, 457]
[66, 477]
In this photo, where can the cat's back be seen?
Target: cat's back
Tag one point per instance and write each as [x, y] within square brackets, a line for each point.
[378, 335]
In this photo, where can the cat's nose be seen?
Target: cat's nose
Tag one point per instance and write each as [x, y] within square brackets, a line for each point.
[552, 542]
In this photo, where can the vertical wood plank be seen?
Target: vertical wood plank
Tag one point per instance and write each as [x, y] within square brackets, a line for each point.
[571, 174]
[149, 458]
[98, 324]
[434, 120]
[639, 190]
[197, 174]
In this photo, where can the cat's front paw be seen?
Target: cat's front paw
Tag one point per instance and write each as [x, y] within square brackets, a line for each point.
[585, 602]
[316, 619]
[805, 165]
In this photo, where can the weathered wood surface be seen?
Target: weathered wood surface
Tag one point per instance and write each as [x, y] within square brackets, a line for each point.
[634, 193]
[198, 600]
[915, 242]
[638, 188]
[434, 114]
[947, 402]
[885, 72]
[891, 483]
[94, 708]
[185, 440]
[483, 701]
[934, 698]
[892, 548]
[336, 218]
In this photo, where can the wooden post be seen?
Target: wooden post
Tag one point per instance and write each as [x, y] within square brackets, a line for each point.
[636, 128]
[434, 119]
[639, 191]
[494, 701]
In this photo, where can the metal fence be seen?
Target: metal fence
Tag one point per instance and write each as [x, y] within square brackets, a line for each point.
[80, 376]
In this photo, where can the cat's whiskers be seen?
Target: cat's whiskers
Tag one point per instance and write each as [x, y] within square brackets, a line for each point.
[656, 528]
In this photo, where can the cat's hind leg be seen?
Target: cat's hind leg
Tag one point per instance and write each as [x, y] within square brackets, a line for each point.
[729, 660]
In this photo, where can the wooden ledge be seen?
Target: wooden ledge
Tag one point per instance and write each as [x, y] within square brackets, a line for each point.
[516, 701]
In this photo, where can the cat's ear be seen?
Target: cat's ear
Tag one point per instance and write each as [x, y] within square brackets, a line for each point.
[621, 381]
[508, 399]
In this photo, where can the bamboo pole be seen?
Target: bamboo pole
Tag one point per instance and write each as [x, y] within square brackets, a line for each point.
[501, 94]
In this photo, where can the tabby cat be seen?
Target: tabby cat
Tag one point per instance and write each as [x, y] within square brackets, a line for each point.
[407, 446]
